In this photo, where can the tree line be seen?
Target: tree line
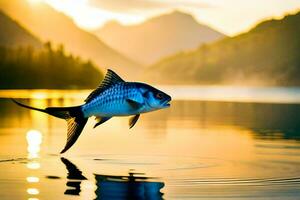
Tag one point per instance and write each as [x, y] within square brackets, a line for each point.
[45, 68]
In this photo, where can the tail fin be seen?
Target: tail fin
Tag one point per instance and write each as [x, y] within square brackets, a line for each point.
[74, 116]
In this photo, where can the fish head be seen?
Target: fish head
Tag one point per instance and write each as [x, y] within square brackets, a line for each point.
[155, 99]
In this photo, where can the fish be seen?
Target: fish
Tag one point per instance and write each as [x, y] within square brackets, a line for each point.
[113, 97]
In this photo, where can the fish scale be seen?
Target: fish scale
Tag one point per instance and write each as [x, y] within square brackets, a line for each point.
[112, 101]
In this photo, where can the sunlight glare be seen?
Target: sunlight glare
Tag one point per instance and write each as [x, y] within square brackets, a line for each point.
[34, 137]
[32, 179]
[90, 17]
[34, 1]
[33, 191]
[39, 95]
[34, 140]
[33, 165]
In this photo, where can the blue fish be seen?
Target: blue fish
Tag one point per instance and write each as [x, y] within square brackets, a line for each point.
[113, 97]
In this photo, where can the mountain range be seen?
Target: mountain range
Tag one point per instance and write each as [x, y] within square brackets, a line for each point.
[269, 54]
[13, 34]
[157, 37]
[27, 63]
[51, 25]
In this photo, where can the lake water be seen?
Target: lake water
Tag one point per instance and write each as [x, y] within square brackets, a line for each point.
[212, 143]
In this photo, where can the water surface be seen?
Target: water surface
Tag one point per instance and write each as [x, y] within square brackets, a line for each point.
[222, 148]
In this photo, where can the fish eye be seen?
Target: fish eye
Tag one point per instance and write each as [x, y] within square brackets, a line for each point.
[159, 95]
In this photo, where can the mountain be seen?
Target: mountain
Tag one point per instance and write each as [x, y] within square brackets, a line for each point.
[157, 37]
[14, 35]
[269, 54]
[27, 63]
[51, 25]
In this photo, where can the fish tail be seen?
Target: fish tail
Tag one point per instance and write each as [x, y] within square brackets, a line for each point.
[73, 115]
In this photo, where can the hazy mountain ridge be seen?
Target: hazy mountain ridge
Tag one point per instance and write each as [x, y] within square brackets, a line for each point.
[50, 25]
[157, 37]
[13, 34]
[269, 54]
[27, 63]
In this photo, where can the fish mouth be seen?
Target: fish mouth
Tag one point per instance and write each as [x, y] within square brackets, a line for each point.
[167, 103]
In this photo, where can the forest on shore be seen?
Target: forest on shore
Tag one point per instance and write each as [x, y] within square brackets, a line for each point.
[27, 67]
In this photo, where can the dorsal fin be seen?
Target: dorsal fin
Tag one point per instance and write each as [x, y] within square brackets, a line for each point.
[110, 79]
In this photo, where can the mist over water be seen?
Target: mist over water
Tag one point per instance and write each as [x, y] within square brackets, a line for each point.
[199, 148]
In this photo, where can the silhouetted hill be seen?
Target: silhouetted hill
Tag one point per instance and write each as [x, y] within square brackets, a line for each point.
[157, 37]
[50, 25]
[269, 54]
[14, 35]
[45, 68]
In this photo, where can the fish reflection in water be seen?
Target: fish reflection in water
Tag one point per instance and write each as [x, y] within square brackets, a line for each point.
[74, 178]
[127, 187]
[114, 187]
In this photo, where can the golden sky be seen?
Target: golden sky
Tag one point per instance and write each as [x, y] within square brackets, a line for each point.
[228, 16]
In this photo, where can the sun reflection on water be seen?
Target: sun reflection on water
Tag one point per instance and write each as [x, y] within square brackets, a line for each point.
[33, 191]
[33, 165]
[39, 95]
[32, 179]
[34, 140]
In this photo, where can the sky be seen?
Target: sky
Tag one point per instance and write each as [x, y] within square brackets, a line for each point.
[227, 16]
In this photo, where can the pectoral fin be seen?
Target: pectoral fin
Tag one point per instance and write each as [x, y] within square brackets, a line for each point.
[100, 120]
[133, 120]
[135, 104]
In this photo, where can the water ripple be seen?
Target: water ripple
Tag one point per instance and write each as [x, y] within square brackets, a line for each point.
[240, 182]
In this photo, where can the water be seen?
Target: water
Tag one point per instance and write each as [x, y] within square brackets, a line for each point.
[229, 148]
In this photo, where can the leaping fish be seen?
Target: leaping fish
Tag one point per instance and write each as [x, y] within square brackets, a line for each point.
[113, 97]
